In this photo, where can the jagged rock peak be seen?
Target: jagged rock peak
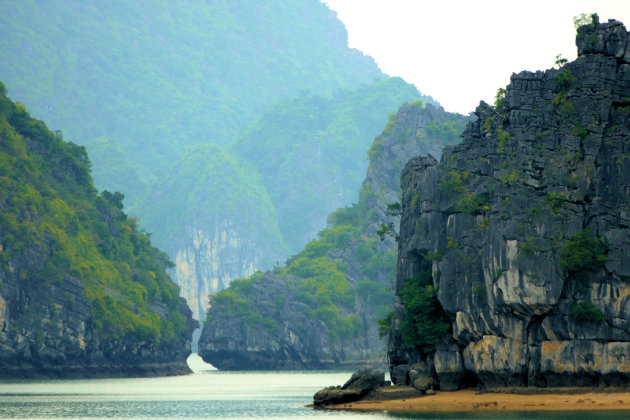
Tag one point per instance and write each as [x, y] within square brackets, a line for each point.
[608, 38]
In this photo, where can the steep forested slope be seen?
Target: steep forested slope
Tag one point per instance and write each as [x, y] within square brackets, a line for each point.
[321, 309]
[140, 83]
[82, 291]
[217, 211]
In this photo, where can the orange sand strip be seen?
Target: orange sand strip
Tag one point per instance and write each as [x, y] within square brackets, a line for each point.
[472, 400]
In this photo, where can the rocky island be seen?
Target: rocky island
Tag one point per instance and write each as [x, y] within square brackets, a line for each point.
[524, 230]
[82, 291]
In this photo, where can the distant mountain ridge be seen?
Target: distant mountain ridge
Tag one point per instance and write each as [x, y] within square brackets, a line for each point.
[156, 76]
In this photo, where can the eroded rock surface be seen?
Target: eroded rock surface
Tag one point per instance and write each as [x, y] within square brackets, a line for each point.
[549, 162]
[360, 383]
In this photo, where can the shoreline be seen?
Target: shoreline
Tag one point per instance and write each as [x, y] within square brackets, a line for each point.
[471, 400]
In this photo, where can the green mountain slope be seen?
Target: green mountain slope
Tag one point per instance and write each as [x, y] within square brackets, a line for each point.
[82, 291]
[112, 167]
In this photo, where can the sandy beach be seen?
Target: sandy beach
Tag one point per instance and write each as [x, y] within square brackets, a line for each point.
[472, 400]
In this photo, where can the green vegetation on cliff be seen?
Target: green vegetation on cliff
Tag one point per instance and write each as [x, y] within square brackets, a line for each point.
[584, 254]
[321, 278]
[55, 225]
[342, 279]
[274, 85]
[424, 323]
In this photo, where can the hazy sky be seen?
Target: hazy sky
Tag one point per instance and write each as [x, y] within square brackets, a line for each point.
[462, 51]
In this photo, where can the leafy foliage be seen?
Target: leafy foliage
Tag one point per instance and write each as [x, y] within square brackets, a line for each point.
[472, 203]
[565, 80]
[447, 131]
[53, 225]
[235, 302]
[425, 323]
[560, 61]
[585, 19]
[321, 281]
[385, 324]
[499, 101]
[587, 311]
[584, 254]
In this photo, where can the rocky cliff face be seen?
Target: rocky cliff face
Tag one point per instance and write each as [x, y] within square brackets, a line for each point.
[207, 264]
[321, 310]
[526, 223]
[48, 331]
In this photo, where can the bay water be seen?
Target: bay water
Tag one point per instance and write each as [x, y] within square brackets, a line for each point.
[208, 393]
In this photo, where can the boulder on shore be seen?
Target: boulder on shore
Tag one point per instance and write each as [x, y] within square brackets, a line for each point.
[360, 383]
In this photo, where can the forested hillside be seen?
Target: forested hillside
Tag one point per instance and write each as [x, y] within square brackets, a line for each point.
[82, 291]
[212, 213]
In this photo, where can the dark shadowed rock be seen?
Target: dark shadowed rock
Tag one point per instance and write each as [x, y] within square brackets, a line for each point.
[448, 365]
[360, 383]
[423, 383]
[336, 395]
[400, 374]
[366, 379]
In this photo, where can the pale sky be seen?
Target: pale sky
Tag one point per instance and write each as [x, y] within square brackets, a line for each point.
[462, 51]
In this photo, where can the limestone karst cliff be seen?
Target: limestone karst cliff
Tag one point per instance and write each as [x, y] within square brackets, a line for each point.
[83, 292]
[213, 215]
[526, 225]
[321, 309]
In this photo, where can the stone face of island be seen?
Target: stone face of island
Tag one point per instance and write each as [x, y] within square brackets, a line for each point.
[526, 224]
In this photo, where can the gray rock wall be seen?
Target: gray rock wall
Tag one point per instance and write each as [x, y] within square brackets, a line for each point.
[46, 331]
[499, 208]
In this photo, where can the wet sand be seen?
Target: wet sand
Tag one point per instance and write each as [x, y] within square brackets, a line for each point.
[473, 400]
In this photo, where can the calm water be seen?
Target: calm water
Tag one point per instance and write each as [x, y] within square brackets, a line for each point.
[206, 394]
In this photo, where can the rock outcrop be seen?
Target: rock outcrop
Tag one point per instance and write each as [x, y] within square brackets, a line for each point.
[289, 318]
[527, 225]
[360, 383]
[208, 263]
